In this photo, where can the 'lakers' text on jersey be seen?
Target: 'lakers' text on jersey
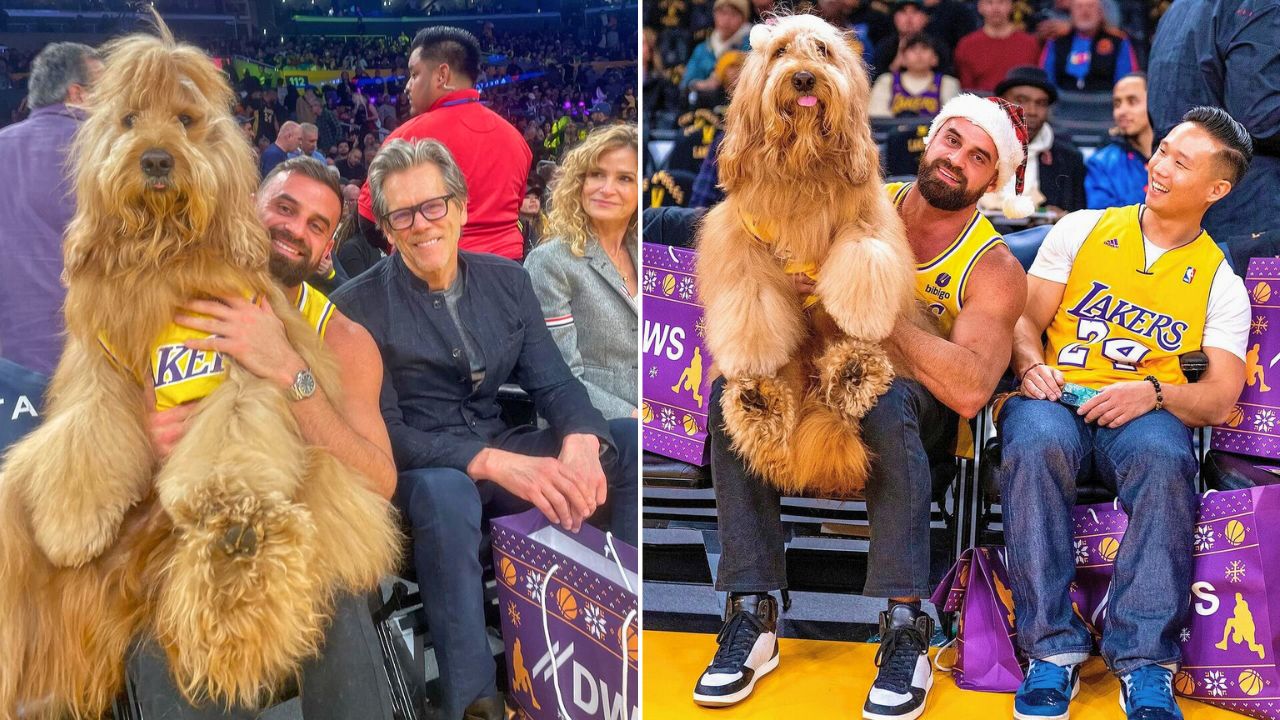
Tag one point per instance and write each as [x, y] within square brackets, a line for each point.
[182, 375]
[1122, 319]
[941, 282]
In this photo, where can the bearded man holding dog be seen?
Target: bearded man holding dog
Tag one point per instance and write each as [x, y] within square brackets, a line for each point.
[300, 204]
[1121, 294]
[969, 280]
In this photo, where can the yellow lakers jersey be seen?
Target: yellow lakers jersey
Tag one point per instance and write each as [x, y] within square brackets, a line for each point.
[316, 308]
[182, 375]
[1121, 320]
[942, 281]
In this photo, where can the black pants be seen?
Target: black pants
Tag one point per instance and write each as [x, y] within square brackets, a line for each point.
[345, 682]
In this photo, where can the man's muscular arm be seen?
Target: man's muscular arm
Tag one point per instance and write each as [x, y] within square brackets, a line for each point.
[962, 372]
[355, 433]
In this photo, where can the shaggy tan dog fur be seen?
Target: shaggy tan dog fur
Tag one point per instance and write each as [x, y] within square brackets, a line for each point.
[232, 549]
[803, 187]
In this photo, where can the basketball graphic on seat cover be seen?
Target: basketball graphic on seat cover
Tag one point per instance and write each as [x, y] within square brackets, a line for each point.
[963, 580]
[1262, 292]
[633, 643]
[1184, 684]
[507, 571]
[1236, 417]
[1108, 548]
[568, 603]
[669, 284]
[1235, 532]
[646, 413]
[1250, 682]
[690, 425]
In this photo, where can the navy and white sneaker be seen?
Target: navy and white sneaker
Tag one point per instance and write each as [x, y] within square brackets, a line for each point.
[906, 675]
[748, 651]
[1047, 691]
[1147, 694]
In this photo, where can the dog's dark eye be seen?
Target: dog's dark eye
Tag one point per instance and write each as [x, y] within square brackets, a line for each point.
[185, 120]
[782, 50]
[822, 49]
[129, 119]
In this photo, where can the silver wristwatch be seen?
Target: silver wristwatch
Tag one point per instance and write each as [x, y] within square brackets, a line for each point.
[304, 385]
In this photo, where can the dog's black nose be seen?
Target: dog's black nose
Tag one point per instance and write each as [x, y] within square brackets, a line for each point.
[802, 81]
[157, 162]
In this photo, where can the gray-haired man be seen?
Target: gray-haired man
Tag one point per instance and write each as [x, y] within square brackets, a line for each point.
[38, 202]
[307, 144]
[452, 326]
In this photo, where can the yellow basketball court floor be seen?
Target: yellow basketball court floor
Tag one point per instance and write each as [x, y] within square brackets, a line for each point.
[817, 680]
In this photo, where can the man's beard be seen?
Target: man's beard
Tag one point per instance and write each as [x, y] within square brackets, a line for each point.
[941, 195]
[290, 272]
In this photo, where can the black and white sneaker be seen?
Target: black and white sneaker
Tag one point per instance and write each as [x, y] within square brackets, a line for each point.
[905, 676]
[748, 651]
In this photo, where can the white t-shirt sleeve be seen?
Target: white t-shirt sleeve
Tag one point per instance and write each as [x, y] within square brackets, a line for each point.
[1226, 325]
[1058, 251]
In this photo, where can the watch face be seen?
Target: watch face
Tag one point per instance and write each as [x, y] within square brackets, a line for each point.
[305, 384]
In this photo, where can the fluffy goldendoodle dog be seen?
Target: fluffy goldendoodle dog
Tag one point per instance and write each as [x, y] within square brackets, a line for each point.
[803, 195]
[230, 551]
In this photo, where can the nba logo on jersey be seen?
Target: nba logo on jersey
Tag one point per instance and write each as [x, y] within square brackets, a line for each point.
[178, 363]
[1188, 275]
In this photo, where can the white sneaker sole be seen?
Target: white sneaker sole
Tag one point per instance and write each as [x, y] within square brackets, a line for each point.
[735, 698]
[906, 716]
[1125, 710]
[1074, 692]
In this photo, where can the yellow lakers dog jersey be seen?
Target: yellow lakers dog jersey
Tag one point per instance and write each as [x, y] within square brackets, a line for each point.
[1122, 320]
[941, 282]
[182, 375]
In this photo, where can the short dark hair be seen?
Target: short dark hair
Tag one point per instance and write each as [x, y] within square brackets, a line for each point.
[1237, 146]
[453, 46]
[307, 167]
[922, 40]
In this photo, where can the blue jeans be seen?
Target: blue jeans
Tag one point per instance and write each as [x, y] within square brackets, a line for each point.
[1149, 462]
[448, 512]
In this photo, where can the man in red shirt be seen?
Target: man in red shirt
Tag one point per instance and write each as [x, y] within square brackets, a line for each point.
[985, 56]
[443, 65]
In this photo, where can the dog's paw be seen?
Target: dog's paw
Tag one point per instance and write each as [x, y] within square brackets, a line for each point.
[241, 604]
[759, 417]
[865, 285]
[752, 349]
[852, 375]
[70, 539]
[872, 327]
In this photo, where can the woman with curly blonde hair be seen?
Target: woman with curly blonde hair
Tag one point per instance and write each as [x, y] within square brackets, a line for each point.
[584, 272]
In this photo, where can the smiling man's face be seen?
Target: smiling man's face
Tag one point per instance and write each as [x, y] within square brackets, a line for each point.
[429, 247]
[959, 165]
[300, 215]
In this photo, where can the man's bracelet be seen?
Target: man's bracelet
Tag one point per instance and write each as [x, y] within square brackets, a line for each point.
[1023, 376]
[1159, 393]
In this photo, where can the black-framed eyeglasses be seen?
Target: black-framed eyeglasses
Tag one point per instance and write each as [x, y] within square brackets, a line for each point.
[431, 209]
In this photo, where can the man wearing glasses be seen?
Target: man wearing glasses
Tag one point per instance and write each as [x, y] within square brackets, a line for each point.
[452, 327]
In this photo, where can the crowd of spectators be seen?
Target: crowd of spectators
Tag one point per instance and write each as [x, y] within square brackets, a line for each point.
[443, 189]
[919, 54]
[554, 87]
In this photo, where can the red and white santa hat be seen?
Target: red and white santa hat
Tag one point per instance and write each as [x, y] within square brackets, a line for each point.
[1005, 123]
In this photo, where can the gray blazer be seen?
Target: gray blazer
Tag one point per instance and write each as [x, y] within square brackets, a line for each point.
[592, 318]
